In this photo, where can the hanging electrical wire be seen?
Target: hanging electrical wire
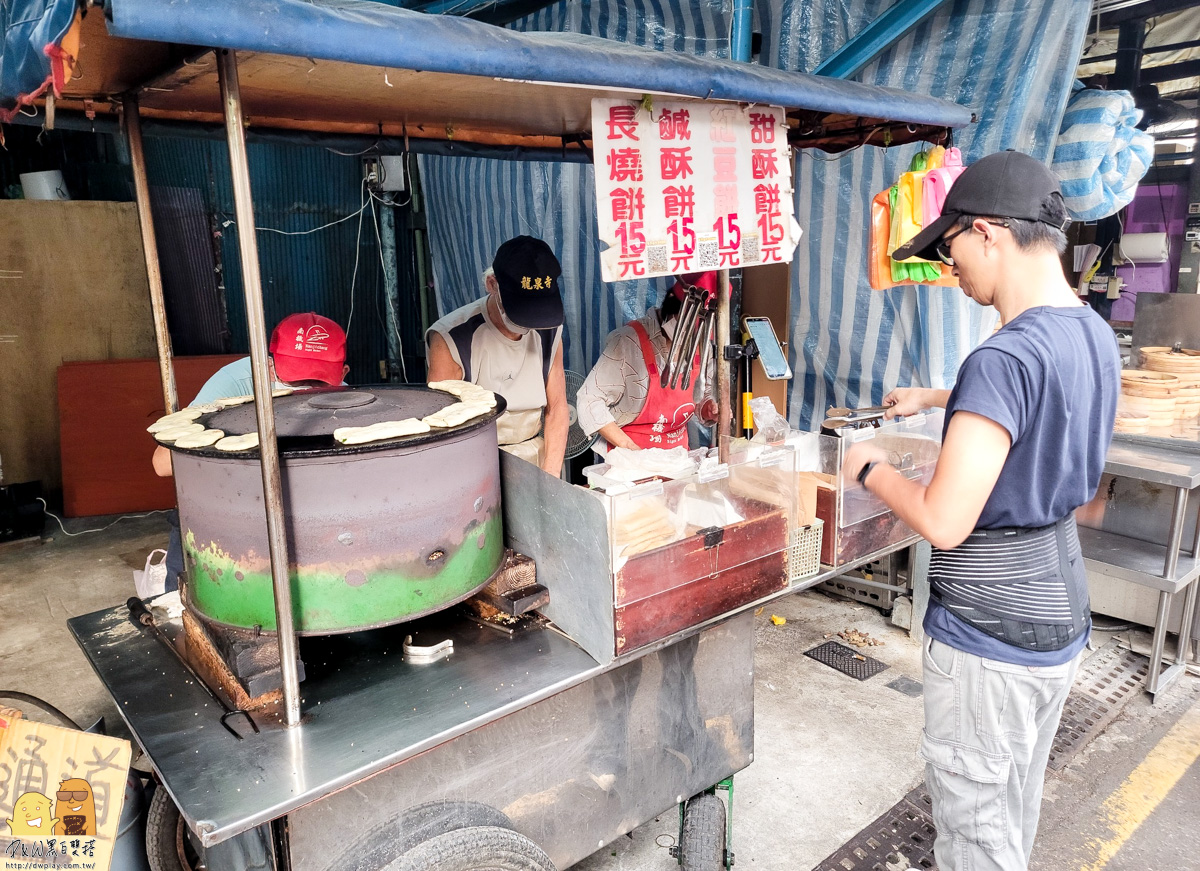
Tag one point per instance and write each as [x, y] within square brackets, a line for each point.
[366, 201]
[227, 222]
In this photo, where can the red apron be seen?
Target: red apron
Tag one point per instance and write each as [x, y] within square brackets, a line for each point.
[664, 417]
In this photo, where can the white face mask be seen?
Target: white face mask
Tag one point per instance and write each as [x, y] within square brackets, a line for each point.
[509, 325]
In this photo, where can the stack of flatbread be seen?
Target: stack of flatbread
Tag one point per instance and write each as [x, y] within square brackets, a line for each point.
[643, 524]
[774, 485]
[388, 429]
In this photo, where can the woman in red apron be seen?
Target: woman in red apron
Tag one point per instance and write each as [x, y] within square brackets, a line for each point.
[623, 399]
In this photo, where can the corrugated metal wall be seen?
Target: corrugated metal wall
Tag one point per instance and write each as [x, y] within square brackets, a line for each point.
[296, 189]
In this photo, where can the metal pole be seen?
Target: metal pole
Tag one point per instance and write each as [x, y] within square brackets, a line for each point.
[132, 123]
[1189, 260]
[391, 284]
[741, 30]
[724, 399]
[1158, 641]
[1131, 37]
[1175, 533]
[243, 206]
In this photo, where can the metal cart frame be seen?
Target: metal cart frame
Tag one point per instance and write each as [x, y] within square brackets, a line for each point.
[570, 752]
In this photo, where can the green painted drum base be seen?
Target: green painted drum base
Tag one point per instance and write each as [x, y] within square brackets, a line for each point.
[226, 592]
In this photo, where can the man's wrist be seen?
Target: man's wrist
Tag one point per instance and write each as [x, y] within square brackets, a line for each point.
[865, 472]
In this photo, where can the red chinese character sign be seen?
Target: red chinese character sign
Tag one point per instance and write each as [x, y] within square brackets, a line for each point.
[691, 186]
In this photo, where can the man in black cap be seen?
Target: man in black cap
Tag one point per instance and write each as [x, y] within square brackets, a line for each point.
[510, 342]
[1028, 425]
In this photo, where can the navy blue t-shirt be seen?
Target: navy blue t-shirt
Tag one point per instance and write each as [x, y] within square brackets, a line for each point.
[1051, 378]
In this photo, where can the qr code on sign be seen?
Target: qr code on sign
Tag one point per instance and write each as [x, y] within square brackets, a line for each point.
[707, 255]
[656, 259]
[750, 249]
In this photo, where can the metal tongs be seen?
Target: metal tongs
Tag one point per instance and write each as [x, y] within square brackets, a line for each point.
[141, 615]
[693, 326]
[875, 411]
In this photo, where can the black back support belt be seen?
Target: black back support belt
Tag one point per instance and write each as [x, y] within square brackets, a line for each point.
[1026, 587]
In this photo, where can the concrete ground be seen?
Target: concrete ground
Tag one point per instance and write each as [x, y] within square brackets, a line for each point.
[831, 753]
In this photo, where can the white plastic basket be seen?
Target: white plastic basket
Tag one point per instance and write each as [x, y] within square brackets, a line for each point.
[804, 551]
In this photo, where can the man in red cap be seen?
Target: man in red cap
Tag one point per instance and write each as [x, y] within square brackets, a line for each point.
[307, 350]
[623, 399]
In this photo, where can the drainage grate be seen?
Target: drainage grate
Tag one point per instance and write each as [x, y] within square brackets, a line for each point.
[898, 840]
[846, 660]
[1104, 684]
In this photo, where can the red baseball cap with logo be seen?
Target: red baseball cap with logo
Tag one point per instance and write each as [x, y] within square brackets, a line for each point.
[308, 347]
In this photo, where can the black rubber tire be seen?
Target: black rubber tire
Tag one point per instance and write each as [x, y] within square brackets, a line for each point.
[162, 833]
[373, 850]
[702, 845]
[480, 848]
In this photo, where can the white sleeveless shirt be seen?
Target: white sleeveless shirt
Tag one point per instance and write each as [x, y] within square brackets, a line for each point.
[515, 369]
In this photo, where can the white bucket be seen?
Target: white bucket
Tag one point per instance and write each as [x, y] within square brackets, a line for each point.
[48, 185]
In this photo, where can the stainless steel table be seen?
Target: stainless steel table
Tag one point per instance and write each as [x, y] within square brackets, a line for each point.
[1165, 568]
[573, 753]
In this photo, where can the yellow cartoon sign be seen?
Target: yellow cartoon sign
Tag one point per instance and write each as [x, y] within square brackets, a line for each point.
[31, 816]
[61, 793]
[76, 808]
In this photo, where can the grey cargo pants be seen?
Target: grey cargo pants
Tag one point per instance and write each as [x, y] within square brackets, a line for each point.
[989, 727]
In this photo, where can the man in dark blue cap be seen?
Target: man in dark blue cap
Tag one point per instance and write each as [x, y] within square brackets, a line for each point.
[510, 342]
[1028, 425]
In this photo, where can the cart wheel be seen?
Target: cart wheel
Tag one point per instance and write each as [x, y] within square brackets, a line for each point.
[702, 845]
[414, 826]
[167, 848]
[482, 848]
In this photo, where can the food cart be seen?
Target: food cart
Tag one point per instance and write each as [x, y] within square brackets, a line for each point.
[528, 749]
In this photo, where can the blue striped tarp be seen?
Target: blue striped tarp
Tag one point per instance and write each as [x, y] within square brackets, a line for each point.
[1100, 155]
[1012, 63]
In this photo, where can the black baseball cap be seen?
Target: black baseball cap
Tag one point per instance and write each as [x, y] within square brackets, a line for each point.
[527, 272]
[1008, 184]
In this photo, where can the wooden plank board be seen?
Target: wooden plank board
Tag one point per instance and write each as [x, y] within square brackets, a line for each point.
[73, 288]
[104, 408]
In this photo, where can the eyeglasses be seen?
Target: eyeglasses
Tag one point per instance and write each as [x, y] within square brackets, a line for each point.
[68, 795]
[943, 247]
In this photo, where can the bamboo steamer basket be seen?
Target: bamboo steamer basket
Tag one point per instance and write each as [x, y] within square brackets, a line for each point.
[1160, 411]
[1131, 422]
[1149, 384]
[1185, 365]
[1185, 362]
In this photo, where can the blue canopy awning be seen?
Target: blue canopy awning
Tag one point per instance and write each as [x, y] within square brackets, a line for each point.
[366, 67]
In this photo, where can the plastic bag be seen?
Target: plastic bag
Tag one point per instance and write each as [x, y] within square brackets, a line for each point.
[880, 264]
[151, 581]
[937, 184]
[769, 425]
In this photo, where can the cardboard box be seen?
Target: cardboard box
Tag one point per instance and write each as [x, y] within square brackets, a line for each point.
[37, 828]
